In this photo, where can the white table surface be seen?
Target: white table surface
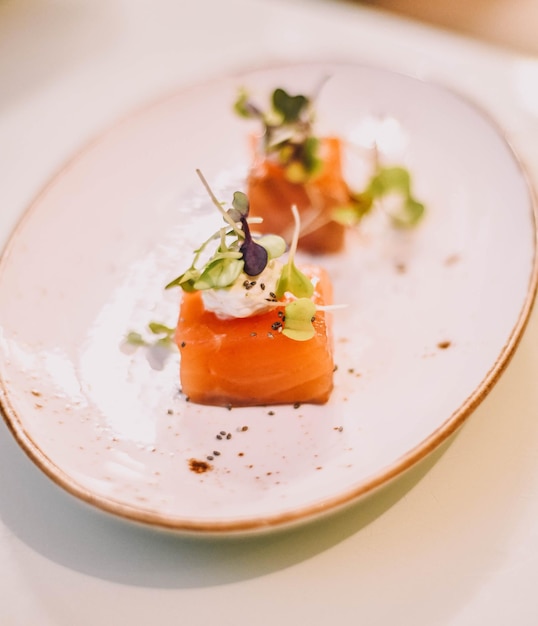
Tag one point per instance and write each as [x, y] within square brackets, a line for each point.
[455, 541]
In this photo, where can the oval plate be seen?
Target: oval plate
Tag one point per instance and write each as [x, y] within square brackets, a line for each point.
[432, 315]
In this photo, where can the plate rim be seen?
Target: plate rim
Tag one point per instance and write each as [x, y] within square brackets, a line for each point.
[370, 484]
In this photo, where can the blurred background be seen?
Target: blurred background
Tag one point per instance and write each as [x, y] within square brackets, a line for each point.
[510, 23]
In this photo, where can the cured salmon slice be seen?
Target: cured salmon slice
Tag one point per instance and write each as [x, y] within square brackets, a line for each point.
[248, 361]
[271, 195]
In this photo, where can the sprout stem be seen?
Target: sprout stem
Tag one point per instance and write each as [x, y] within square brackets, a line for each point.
[296, 231]
[227, 218]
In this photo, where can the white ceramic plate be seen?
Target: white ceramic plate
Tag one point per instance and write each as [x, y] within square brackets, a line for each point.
[433, 314]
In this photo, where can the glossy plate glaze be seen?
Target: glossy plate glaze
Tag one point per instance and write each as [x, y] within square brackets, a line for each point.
[432, 314]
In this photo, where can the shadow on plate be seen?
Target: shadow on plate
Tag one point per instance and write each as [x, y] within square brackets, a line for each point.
[84, 539]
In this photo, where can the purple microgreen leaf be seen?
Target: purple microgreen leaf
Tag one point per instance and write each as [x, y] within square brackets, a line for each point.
[254, 255]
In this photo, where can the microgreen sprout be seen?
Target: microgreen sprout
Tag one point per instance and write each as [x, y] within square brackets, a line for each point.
[240, 208]
[396, 182]
[243, 254]
[237, 251]
[157, 343]
[388, 186]
[288, 136]
[274, 244]
[287, 131]
[299, 315]
[162, 335]
[292, 279]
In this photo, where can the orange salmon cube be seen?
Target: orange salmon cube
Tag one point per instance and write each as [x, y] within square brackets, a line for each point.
[247, 361]
[271, 195]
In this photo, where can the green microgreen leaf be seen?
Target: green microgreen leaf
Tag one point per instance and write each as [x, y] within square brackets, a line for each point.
[352, 213]
[346, 215]
[219, 274]
[274, 244]
[240, 206]
[162, 335]
[157, 328]
[388, 186]
[410, 214]
[396, 183]
[298, 316]
[389, 179]
[290, 107]
[296, 172]
[291, 278]
[310, 158]
[227, 254]
[135, 339]
[186, 280]
[294, 281]
[244, 107]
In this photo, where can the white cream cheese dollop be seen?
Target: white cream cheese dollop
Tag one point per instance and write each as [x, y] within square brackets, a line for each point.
[249, 295]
